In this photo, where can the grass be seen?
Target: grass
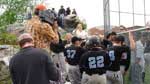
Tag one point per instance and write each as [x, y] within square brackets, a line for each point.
[147, 76]
[127, 80]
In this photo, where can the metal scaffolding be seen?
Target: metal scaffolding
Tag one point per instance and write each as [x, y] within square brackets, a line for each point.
[106, 9]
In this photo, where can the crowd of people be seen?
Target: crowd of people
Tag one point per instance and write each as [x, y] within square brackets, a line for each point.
[62, 13]
[45, 58]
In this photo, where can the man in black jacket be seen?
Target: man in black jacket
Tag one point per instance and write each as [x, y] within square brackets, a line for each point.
[31, 65]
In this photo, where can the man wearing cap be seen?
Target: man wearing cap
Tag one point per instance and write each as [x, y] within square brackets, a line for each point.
[73, 54]
[31, 65]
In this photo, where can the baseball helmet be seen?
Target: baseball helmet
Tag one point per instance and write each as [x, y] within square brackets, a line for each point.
[93, 41]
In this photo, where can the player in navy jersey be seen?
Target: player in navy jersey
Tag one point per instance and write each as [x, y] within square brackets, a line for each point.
[126, 56]
[114, 76]
[108, 41]
[73, 54]
[94, 63]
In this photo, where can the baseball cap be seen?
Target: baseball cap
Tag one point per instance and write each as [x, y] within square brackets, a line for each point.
[24, 36]
[75, 38]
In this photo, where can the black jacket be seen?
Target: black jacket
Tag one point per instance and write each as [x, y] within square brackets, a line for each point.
[32, 66]
[59, 47]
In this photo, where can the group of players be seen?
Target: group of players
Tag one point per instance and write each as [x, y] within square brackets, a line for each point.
[97, 61]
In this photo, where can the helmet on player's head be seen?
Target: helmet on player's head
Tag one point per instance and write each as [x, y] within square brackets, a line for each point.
[93, 41]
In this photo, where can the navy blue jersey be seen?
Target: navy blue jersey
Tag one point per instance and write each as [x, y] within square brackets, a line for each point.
[126, 56]
[106, 43]
[115, 54]
[73, 54]
[95, 61]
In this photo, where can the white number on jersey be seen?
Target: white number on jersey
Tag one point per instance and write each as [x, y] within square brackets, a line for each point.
[112, 55]
[96, 62]
[71, 53]
[100, 61]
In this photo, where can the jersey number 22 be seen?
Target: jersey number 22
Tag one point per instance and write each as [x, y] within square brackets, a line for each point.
[96, 62]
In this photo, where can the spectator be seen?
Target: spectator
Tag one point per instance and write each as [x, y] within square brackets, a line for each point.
[79, 32]
[140, 55]
[68, 38]
[55, 13]
[68, 11]
[31, 65]
[147, 53]
[146, 36]
[61, 11]
[61, 15]
[137, 68]
[74, 12]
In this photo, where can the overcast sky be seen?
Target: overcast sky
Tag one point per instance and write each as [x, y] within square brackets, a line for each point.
[87, 9]
[92, 11]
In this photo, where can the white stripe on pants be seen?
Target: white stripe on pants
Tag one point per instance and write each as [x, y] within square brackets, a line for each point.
[93, 79]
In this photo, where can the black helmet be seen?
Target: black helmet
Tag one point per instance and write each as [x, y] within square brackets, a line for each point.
[93, 41]
[47, 16]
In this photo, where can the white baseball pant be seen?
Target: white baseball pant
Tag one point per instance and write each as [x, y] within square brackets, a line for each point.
[114, 77]
[74, 74]
[93, 79]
